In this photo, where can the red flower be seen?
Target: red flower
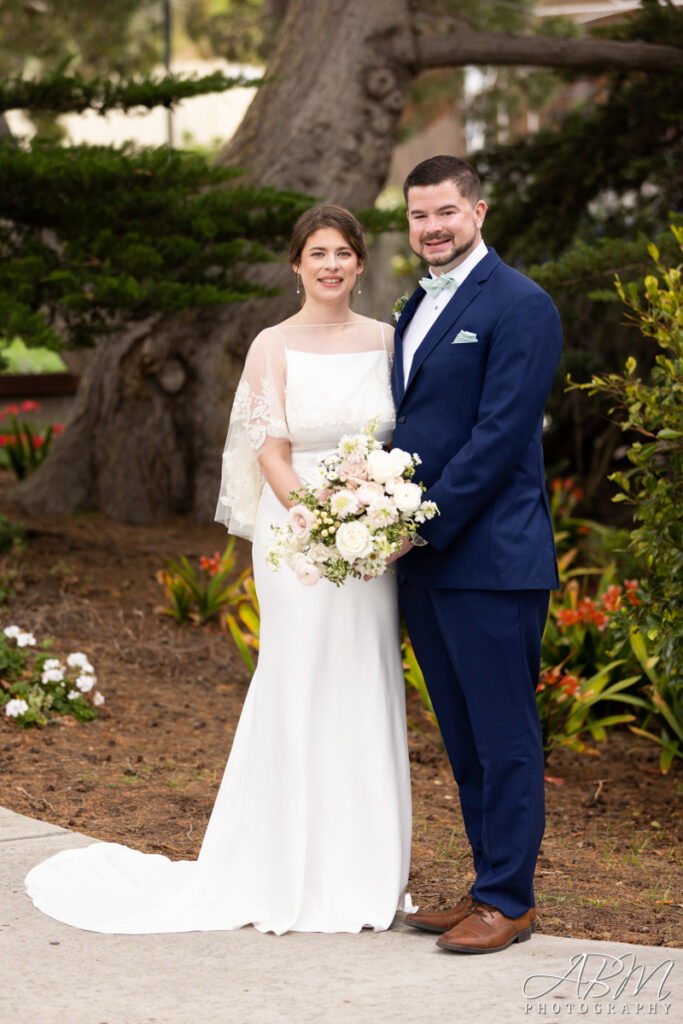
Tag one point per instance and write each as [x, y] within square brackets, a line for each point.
[30, 406]
[568, 617]
[584, 530]
[631, 588]
[12, 410]
[611, 599]
[212, 564]
[38, 441]
[3, 440]
[570, 685]
[577, 493]
[57, 428]
[568, 483]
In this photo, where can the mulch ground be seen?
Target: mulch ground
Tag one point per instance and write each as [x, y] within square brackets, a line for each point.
[145, 773]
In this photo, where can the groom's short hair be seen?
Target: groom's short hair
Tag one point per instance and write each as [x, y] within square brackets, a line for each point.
[445, 168]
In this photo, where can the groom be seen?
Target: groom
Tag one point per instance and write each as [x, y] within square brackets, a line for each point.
[477, 347]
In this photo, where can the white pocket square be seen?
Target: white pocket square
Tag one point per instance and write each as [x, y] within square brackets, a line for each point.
[465, 338]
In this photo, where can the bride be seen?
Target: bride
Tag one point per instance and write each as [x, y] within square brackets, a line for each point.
[311, 827]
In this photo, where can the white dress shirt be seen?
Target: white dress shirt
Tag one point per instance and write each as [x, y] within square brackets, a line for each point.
[431, 307]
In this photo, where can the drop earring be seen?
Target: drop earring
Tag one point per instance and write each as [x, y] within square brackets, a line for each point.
[298, 284]
[359, 292]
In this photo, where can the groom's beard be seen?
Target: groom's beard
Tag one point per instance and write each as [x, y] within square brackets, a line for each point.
[453, 253]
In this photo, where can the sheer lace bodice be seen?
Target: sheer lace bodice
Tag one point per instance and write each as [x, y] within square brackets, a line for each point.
[307, 384]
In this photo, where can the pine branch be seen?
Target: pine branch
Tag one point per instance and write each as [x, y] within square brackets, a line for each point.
[63, 94]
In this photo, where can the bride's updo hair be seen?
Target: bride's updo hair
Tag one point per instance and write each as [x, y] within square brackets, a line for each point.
[327, 216]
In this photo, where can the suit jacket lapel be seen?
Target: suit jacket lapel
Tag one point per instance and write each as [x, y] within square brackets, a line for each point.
[467, 291]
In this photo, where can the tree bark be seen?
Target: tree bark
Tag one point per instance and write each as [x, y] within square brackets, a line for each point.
[151, 415]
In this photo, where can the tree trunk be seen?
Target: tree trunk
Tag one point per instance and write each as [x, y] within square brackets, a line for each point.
[151, 415]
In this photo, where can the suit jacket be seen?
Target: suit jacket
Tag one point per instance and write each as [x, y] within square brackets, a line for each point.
[473, 411]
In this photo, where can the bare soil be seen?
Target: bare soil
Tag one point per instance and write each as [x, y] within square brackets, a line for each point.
[145, 773]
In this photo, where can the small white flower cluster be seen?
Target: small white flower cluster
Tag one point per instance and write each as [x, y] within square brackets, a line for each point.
[351, 525]
[22, 638]
[76, 677]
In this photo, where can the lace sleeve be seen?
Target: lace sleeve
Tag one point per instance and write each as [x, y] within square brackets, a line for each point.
[258, 422]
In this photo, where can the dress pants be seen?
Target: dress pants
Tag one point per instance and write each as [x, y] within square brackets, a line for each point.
[479, 651]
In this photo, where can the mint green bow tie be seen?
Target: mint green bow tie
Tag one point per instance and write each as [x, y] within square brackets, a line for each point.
[435, 285]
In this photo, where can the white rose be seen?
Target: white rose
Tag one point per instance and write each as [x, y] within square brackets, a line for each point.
[392, 483]
[301, 520]
[367, 492]
[408, 497]
[353, 541]
[381, 466]
[401, 460]
[16, 707]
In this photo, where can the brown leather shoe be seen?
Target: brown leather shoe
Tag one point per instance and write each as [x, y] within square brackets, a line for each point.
[487, 930]
[441, 920]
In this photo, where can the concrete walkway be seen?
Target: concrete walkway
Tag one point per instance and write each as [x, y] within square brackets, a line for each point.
[53, 974]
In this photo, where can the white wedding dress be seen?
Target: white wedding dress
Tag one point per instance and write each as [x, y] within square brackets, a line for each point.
[311, 827]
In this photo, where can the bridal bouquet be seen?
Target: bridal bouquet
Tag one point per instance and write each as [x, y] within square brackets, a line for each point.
[366, 506]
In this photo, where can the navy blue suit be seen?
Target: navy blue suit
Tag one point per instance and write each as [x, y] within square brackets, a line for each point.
[475, 599]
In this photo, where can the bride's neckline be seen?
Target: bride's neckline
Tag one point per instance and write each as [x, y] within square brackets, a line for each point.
[340, 323]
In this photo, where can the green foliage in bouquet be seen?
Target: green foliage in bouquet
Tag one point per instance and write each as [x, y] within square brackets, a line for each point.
[652, 408]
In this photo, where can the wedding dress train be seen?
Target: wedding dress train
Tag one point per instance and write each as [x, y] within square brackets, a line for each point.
[311, 826]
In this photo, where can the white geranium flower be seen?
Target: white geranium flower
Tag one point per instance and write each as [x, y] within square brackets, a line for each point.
[16, 707]
[408, 497]
[85, 683]
[353, 541]
[382, 512]
[52, 675]
[73, 694]
[79, 660]
[97, 698]
[343, 503]
[12, 632]
[51, 663]
[381, 466]
[26, 640]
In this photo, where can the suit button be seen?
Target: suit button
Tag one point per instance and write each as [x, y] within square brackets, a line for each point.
[402, 419]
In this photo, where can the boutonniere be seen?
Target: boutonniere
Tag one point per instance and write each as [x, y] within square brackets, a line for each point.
[397, 307]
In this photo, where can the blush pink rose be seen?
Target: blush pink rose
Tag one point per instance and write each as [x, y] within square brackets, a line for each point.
[306, 572]
[302, 520]
[354, 471]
